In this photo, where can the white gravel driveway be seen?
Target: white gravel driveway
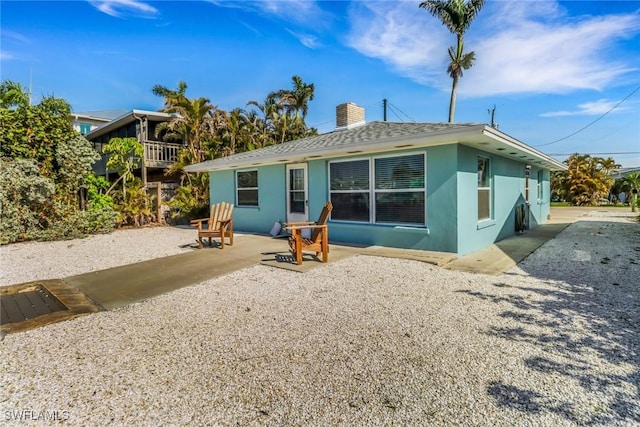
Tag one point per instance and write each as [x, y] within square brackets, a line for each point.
[361, 342]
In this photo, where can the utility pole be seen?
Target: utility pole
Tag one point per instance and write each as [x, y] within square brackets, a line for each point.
[384, 109]
[493, 116]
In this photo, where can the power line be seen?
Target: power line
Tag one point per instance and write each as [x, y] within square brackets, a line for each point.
[401, 112]
[597, 154]
[580, 130]
[396, 114]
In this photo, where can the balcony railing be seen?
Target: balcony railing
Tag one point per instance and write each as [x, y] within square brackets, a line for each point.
[160, 154]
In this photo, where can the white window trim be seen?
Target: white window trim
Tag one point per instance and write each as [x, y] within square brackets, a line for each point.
[490, 188]
[246, 188]
[539, 186]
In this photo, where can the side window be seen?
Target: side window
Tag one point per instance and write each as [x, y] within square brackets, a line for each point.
[85, 128]
[540, 186]
[247, 188]
[484, 189]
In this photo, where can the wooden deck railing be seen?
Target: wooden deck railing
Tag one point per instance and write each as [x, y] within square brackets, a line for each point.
[160, 154]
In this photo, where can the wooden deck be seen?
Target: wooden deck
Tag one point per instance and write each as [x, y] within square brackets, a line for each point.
[33, 304]
[28, 304]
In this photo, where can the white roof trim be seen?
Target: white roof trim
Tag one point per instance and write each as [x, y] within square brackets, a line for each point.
[480, 136]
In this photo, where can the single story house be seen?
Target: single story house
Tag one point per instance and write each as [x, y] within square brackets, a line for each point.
[430, 186]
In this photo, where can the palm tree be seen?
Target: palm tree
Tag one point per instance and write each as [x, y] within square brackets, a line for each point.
[192, 122]
[13, 95]
[587, 179]
[297, 99]
[457, 16]
[631, 184]
[171, 97]
[234, 132]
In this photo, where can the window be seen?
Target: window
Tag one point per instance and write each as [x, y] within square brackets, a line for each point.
[350, 190]
[297, 191]
[85, 128]
[484, 189]
[247, 188]
[540, 188]
[382, 190]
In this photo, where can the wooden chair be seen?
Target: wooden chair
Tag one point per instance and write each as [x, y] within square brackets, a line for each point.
[319, 240]
[219, 224]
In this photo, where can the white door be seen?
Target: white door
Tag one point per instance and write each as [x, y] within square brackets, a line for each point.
[297, 186]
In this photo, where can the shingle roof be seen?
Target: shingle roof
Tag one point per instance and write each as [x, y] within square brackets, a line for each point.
[336, 140]
[102, 114]
[384, 136]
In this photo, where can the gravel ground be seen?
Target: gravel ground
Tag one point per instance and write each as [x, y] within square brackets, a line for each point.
[360, 342]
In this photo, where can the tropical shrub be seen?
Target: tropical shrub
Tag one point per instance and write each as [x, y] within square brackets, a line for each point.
[25, 199]
[134, 206]
[30, 208]
[587, 180]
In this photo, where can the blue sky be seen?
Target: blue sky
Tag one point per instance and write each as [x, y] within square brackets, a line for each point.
[551, 69]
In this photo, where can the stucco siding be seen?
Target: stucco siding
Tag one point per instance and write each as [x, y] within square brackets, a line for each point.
[451, 202]
[271, 198]
[439, 233]
[507, 193]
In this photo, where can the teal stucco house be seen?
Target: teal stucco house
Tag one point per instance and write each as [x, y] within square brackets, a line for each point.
[431, 186]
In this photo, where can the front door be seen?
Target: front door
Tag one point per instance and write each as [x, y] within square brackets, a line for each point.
[297, 186]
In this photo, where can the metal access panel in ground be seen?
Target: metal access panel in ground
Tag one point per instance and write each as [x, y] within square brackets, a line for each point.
[21, 306]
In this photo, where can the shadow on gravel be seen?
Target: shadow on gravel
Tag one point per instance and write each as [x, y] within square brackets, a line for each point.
[587, 316]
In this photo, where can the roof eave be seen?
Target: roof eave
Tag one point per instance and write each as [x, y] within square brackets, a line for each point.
[127, 118]
[430, 139]
[474, 136]
[529, 153]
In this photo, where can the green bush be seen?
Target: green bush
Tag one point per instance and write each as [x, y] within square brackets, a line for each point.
[77, 224]
[31, 210]
[25, 199]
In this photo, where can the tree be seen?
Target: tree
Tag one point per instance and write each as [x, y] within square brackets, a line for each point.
[586, 181]
[124, 155]
[75, 158]
[457, 16]
[296, 101]
[13, 95]
[192, 119]
[197, 122]
[631, 185]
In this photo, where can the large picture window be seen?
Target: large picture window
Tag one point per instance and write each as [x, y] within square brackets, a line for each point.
[383, 190]
[247, 188]
[484, 189]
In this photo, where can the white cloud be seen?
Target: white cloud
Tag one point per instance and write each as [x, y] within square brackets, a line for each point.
[304, 12]
[119, 8]
[596, 108]
[307, 40]
[6, 56]
[521, 47]
[400, 34]
[301, 13]
[14, 35]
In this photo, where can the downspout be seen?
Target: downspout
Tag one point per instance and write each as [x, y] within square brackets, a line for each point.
[142, 136]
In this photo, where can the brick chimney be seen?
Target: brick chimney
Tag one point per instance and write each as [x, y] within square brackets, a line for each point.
[349, 115]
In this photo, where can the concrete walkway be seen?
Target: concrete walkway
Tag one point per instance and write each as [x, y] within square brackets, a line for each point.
[117, 287]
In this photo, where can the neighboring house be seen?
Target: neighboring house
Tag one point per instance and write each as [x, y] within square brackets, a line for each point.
[431, 186]
[158, 155]
[622, 172]
[87, 121]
